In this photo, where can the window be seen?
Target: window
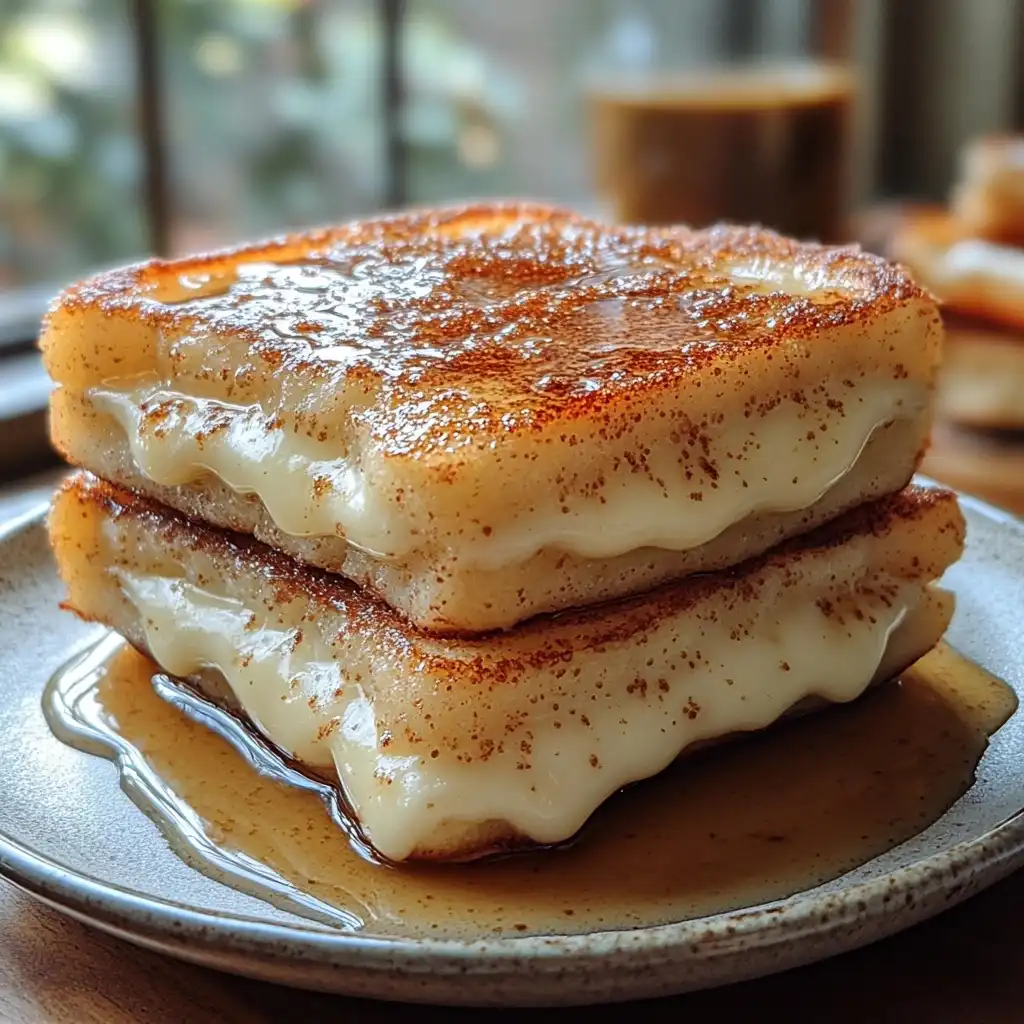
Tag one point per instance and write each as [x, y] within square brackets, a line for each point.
[69, 155]
[133, 125]
[272, 116]
[494, 106]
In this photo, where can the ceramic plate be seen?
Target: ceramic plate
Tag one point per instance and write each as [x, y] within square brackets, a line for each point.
[71, 837]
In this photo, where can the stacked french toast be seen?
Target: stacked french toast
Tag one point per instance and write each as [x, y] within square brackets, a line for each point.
[485, 512]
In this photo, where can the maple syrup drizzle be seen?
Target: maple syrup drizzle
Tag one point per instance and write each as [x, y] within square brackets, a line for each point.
[735, 826]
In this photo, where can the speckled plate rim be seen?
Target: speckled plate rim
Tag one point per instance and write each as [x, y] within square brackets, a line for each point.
[601, 965]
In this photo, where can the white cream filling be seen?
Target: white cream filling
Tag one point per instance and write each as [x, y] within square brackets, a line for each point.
[772, 467]
[294, 693]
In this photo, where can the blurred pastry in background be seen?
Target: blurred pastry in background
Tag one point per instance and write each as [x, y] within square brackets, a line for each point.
[972, 276]
[981, 286]
[971, 256]
[989, 197]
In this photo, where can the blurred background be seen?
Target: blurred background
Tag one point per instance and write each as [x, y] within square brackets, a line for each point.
[134, 127]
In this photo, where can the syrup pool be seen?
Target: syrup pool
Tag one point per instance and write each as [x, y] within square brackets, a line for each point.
[749, 821]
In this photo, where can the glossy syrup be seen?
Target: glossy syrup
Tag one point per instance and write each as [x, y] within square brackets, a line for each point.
[746, 822]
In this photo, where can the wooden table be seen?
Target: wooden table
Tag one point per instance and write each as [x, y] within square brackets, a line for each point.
[965, 967]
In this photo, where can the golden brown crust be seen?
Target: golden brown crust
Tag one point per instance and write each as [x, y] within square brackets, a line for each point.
[493, 317]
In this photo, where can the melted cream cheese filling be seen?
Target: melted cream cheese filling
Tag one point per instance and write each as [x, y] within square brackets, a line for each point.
[780, 462]
[301, 697]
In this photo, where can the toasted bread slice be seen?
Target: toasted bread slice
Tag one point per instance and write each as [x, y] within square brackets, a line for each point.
[989, 197]
[970, 275]
[452, 748]
[445, 405]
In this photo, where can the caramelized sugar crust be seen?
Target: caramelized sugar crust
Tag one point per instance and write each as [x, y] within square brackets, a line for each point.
[436, 327]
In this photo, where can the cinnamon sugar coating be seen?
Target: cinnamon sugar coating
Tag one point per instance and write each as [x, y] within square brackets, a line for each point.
[492, 319]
